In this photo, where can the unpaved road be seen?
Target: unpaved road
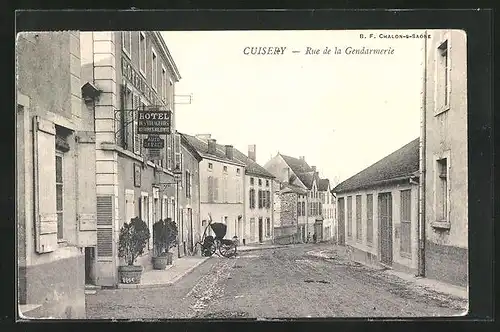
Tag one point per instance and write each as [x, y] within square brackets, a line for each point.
[276, 283]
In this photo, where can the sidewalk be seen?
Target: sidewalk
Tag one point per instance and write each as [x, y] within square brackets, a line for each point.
[340, 255]
[159, 278]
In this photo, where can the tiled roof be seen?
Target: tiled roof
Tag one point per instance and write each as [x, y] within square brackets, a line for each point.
[251, 166]
[306, 178]
[287, 187]
[400, 164]
[297, 165]
[201, 147]
[323, 184]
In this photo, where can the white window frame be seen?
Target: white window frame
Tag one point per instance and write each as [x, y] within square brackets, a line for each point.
[154, 69]
[439, 222]
[124, 49]
[163, 81]
[406, 254]
[144, 49]
[61, 155]
[438, 107]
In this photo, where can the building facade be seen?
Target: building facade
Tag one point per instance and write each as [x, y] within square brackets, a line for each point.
[258, 224]
[133, 70]
[221, 178]
[378, 211]
[328, 207]
[445, 141]
[289, 204]
[55, 180]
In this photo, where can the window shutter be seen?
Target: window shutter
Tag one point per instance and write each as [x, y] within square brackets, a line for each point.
[210, 189]
[137, 140]
[177, 149]
[104, 225]
[169, 151]
[45, 185]
[216, 189]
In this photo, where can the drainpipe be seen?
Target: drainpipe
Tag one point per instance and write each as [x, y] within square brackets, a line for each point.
[421, 191]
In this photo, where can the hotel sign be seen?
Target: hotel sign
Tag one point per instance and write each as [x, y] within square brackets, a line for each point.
[153, 121]
[154, 142]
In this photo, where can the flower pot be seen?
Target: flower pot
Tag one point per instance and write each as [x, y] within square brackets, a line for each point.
[161, 262]
[130, 274]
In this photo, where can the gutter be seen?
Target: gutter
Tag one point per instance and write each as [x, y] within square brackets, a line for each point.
[376, 184]
[421, 191]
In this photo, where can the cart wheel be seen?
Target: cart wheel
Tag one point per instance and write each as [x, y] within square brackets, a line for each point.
[228, 250]
[212, 248]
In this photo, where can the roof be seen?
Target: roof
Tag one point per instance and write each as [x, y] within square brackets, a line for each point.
[297, 165]
[323, 184]
[190, 148]
[306, 178]
[251, 166]
[399, 165]
[290, 188]
[201, 147]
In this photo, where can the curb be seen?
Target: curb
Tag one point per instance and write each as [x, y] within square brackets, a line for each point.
[171, 282]
[260, 248]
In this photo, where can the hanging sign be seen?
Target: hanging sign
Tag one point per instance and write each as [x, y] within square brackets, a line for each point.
[154, 142]
[153, 121]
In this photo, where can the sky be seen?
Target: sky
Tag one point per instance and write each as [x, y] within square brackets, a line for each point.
[342, 112]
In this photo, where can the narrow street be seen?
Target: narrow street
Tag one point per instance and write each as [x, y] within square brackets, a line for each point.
[276, 283]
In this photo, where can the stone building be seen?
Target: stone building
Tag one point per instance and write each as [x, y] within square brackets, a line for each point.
[445, 140]
[289, 206]
[55, 177]
[378, 211]
[134, 71]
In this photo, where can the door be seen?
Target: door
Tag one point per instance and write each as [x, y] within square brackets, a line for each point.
[260, 230]
[252, 229]
[190, 228]
[240, 228]
[341, 221]
[303, 233]
[385, 226]
[89, 265]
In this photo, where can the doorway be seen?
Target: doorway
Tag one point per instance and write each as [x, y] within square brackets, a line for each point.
[260, 230]
[341, 221]
[190, 229]
[90, 265]
[385, 226]
[240, 228]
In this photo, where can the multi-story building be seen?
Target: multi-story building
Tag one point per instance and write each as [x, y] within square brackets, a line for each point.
[378, 211]
[297, 172]
[133, 70]
[257, 225]
[444, 138]
[327, 210]
[289, 207]
[55, 179]
[221, 178]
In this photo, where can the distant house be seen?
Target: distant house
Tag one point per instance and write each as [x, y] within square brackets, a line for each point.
[377, 211]
[293, 171]
[221, 178]
[328, 210]
[289, 206]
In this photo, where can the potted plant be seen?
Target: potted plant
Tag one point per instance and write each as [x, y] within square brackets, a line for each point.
[164, 238]
[132, 241]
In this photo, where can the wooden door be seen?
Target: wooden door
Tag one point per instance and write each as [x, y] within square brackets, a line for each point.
[385, 227]
[260, 230]
[341, 221]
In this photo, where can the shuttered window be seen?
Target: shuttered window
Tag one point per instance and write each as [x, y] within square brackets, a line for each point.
[137, 139]
[216, 189]
[177, 149]
[303, 208]
[169, 151]
[369, 218]
[59, 195]
[210, 188]
[251, 198]
[349, 216]
[405, 221]
[104, 226]
[359, 231]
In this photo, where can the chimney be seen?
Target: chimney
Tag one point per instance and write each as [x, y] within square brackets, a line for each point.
[229, 151]
[302, 158]
[251, 152]
[212, 145]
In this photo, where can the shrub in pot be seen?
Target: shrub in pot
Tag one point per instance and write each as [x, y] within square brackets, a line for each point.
[133, 239]
[164, 238]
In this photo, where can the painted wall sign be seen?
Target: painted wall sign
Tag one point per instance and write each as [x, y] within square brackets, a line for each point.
[153, 121]
[138, 81]
[154, 142]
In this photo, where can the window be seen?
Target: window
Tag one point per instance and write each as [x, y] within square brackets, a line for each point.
[405, 222]
[369, 218]
[252, 198]
[260, 199]
[267, 183]
[268, 201]
[127, 42]
[251, 181]
[299, 206]
[59, 195]
[303, 208]
[358, 218]
[142, 53]
[260, 182]
[163, 83]
[442, 77]
[210, 166]
[268, 227]
[349, 216]
[154, 70]
[188, 184]
[442, 190]
[224, 169]
[238, 171]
